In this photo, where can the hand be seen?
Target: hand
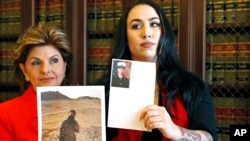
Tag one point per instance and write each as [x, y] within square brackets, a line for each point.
[155, 116]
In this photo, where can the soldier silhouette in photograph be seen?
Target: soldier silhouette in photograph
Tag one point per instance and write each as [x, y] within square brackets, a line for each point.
[69, 127]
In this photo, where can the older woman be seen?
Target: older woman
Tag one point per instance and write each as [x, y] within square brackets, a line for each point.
[42, 58]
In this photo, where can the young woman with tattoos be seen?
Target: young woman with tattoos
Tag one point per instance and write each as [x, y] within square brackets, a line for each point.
[185, 109]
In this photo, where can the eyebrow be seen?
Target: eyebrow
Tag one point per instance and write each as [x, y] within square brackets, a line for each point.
[56, 55]
[139, 20]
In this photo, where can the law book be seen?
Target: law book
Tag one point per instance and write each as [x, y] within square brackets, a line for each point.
[230, 64]
[208, 65]
[10, 17]
[3, 70]
[242, 74]
[97, 55]
[3, 16]
[219, 11]
[209, 11]
[175, 9]
[92, 43]
[41, 12]
[100, 15]
[230, 11]
[218, 64]
[171, 11]
[11, 79]
[91, 15]
[112, 15]
[4, 51]
[55, 11]
[242, 11]
[109, 16]
[118, 11]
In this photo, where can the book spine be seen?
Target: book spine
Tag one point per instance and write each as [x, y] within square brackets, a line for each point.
[91, 16]
[209, 11]
[98, 55]
[231, 111]
[100, 15]
[242, 11]
[208, 65]
[218, 64]
[171, 11]
[242, 75]
[16, 17]
[230, 64]
[6, 62]
[41, 12]
[218, 11]
[118, 11]
[109, 16]
[230, 14]
[175, 6]
[56, 13]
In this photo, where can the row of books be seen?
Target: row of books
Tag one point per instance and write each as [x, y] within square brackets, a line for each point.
[6, 62]
[97, 57]
[230, 111]
[105, 15]
[7, 73]
[52, 11]
[228, 64]
[10, 17]
[228, 11]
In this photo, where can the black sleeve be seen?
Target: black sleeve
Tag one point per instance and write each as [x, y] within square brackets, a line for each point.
[206, 115]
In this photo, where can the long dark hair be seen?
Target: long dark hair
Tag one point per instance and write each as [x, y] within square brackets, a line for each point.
[171, 76]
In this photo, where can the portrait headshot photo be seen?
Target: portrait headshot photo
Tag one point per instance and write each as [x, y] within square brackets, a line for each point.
[121, 73]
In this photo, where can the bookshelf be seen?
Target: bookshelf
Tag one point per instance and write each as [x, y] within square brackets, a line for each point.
[9, 31]
[227, 62]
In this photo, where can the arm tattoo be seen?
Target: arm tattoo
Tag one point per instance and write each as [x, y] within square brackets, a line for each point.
[188, 135]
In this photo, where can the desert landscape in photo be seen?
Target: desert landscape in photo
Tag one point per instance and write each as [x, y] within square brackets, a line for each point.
[55, 108]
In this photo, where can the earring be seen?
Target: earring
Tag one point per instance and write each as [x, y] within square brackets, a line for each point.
[27, 78]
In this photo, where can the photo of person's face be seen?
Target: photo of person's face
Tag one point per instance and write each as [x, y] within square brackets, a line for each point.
[120, 71]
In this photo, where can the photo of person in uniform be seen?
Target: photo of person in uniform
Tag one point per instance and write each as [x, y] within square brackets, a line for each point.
[120, 77]
[69, 127]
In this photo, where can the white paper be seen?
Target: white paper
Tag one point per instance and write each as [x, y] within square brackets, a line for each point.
[126, 104]
[87, 101]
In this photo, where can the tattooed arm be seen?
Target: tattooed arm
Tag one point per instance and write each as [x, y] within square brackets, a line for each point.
[156, 117]
[194, 135]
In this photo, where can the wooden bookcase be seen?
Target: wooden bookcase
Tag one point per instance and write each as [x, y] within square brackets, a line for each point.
[227, 62]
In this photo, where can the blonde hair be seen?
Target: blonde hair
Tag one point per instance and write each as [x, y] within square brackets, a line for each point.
[37, 35]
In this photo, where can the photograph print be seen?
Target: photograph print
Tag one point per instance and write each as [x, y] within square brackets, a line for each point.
[71, 113]
[120, 73]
